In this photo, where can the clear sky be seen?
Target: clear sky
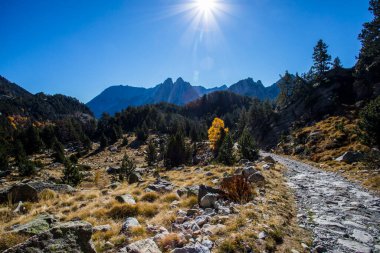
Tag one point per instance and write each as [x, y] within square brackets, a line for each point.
[79, 48]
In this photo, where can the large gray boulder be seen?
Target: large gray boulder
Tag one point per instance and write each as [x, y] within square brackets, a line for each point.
[17, 193]
[204, 190]
[142, 246]
[29, 191]
[72, 236]
[195, 248]
[134, 177]
[38, 225]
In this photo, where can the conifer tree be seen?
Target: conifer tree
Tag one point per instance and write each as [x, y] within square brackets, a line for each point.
[71, 174]
[176, 153]
[59, 152]
[151, 154]
[369, 57]
[337, 64]
[127, 167]
[225, 154]
[247, 147]
[321, 60]
[103, 141]
[4, 162]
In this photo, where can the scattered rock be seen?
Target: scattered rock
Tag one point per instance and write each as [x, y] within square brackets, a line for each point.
[126, 198]
[262, 235]
[195, 248]
[257, 178]
[354, 246]
[142, 246]
[160, 185]
[204, 190]
[113, 170]
[268, 166]
[63, 237]
[268, 159]
[134, 177]
[102, 228]
[208, 201]
[129, 223]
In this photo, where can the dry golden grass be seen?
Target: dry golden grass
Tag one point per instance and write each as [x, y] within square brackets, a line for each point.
[150, 197]
[95, 203]
[171, 241]
[8, 240]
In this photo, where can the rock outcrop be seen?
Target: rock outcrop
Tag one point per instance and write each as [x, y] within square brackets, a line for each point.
[63, 237]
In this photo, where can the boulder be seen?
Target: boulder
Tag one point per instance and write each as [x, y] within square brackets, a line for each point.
[129, 223]
[188, 191]
[208, 201]
[126, 198]
[268, 159]
[113, 170]
[61, 188]
[142, 246]
[248, 171]
[19, 192]
[204, 190]
[194, 248]
[134, 178]
[160, 185]
[38, 225]
[257, 178]
[72, 236]
[350, 157]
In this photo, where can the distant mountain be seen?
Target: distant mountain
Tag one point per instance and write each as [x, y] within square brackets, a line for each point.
[116, 98]
[15, 100]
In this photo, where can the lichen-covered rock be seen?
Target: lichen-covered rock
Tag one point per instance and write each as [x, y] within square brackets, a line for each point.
[208, 201]
[142, 246]
[204, 190]
[195, 248]
[72, 236]
[38, 225]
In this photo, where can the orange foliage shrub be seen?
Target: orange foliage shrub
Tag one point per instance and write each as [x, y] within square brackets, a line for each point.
[215, 132]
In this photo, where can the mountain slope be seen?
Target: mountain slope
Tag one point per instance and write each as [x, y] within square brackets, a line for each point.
[15, 100]
[117, 98]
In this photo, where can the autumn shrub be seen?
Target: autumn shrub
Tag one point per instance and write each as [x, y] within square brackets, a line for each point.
[237, 188]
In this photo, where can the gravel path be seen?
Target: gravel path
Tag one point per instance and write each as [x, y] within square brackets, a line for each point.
[342, 215]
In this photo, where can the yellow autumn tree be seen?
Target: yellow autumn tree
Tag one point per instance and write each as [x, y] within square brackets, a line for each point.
[215, 132]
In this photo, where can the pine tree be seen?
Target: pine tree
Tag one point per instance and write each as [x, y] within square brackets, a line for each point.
[247, 147]
[151, 154]
[286, 86]
[26, 167]
[127, 167]
[369, 56]
[370, 123]
[33, 141]
[225, 154]
[142, 133]
[176, 153]
[337, 64]
[59, 152]
[71, 174]
[103, 141]
[321, 60]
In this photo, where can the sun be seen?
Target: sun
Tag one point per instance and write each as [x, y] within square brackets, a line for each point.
[206, 5]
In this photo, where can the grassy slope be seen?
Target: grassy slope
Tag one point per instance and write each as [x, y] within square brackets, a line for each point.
[273, 210]
[332, 137]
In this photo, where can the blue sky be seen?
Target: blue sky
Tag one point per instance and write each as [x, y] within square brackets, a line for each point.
[79, 48]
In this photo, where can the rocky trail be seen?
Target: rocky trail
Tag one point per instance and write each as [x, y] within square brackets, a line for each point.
[342, 215]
